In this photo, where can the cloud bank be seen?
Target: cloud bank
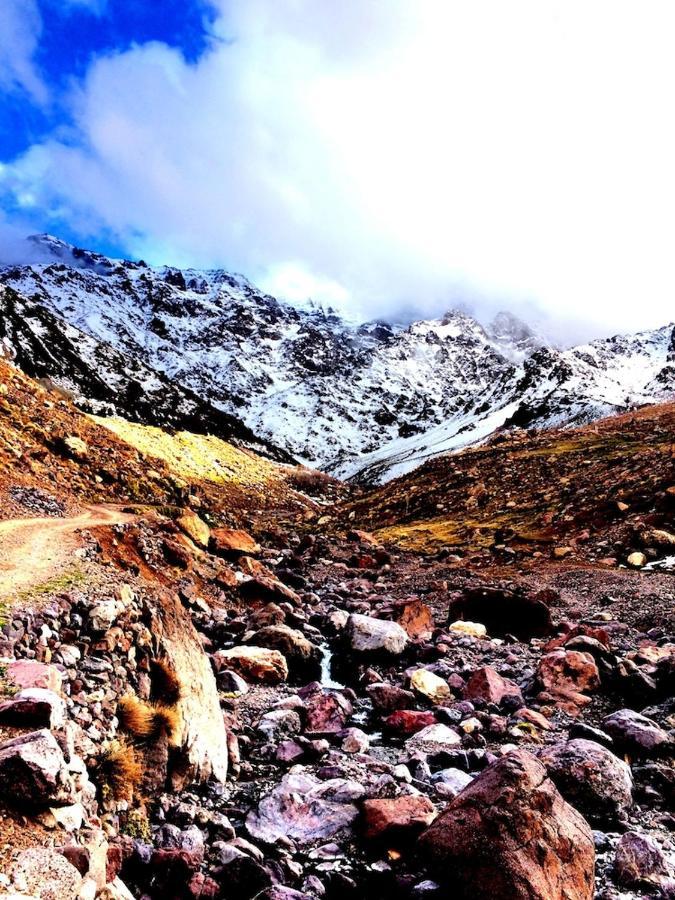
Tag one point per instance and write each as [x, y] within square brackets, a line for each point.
[387, 156]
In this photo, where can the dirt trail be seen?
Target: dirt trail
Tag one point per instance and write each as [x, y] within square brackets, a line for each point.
[33, 551]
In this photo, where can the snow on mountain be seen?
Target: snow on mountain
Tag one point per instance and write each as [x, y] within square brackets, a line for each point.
[366, 401]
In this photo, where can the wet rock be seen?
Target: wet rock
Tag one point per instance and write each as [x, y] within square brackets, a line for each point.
[488, 685]
[389, 697]
[354, 740]
[397, 819]
[305, 809]
[34, 707]
[303, 657]
[433, 739]
[254, 663]
[33, 771]
[511, 834]
[45, 874]
[636, 734]
[409, 721]
[368, 635]
[231, 542]
[430, 685]
[591, 778]
[640, 862]
[326, 712]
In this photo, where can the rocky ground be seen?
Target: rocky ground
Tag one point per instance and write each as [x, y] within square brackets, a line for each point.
[297, 710]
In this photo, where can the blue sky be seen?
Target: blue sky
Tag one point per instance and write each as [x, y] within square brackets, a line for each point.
[376, 156]
[72, 35]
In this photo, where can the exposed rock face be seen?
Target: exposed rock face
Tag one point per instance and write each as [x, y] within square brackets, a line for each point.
[368, 635]
[305, 809]
[203, 737]
[591, 778]
[510, 834]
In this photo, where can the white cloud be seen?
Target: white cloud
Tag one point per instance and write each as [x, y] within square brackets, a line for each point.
[392, 154]
[20, 29]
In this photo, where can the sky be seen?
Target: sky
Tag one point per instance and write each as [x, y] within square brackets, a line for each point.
[387, 157]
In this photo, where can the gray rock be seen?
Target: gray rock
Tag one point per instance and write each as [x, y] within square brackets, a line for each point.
[640, 861]
[591, 778]
[279, 723]
[368, 635]
[637, 734]
[305, 809]
[45, 874]
[33, 771]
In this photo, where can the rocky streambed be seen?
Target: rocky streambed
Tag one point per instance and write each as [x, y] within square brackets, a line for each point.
[392, 726]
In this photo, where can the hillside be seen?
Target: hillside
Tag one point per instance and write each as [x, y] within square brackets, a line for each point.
[364, 401]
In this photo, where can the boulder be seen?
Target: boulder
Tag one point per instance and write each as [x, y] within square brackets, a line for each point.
[34, 707]
[397, 819]
[591, 778]
[568, 672]
[268, 589]
[354, 740]
[640, 862]
[510, 834]
[233, 542]
[26, 673]
[505, 611]
[488, 685]
[368, 635]
[279, 723]
[636, 734]
[433, 739]
[636, 560]
[416, 620]
[46, 874]
[304, 809]
[33, 771]
[195, 528]
[430, 685]
[388, 697]
[254, 663]
[471, 629]
[326, 712]
[303, 657]
[409, 721]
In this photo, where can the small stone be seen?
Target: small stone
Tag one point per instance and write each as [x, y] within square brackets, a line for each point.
[473, 629]
[430, 685]
[254, 663]
[433, 739]
[636, 560]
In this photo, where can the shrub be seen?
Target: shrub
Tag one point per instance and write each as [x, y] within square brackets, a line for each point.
[166, 720]
[310, 481]
[166, 687]
[136, 717]
[119, 770]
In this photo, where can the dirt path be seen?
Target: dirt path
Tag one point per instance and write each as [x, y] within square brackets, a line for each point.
[33, 551]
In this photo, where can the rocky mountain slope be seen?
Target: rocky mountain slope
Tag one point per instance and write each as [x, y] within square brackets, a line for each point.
[226, 689]
[366, 401]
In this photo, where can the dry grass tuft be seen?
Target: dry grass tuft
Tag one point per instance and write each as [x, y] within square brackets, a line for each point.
[166, 688]
[166, 720]
[119, 770]
[136, 717]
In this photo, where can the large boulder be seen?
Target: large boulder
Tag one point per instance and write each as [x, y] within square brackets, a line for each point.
[254, 663]
[369, 635]
[305, 809]
[510, 834]
[591, 778]
[303, 657]
[636, 734]
[46, 874]
[33, 771]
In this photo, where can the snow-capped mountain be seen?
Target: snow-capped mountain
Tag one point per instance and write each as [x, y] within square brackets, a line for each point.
[365, 401]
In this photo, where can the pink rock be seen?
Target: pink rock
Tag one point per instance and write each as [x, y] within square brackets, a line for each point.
[488, 685]
[26, 673]
[409, 721]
